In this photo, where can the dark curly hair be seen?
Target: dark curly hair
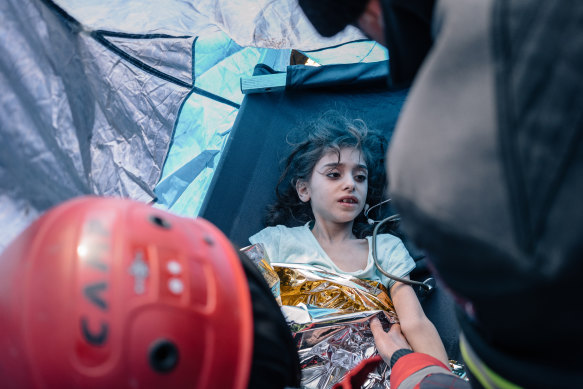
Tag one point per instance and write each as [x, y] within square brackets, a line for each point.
[332, 131]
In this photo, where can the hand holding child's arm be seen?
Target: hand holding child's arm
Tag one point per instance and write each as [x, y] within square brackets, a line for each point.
[388, 342]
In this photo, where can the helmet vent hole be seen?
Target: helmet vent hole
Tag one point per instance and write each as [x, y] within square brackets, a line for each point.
[163, 356]
[160, 222]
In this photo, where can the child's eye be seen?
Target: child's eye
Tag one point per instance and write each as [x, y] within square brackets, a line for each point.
[360, 178]
[333, 174]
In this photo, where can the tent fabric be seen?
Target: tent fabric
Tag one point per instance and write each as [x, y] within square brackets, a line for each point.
[349, 52]
[75, 119]
[250, 23]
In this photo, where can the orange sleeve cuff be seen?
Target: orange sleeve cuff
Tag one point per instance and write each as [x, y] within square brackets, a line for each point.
[411, 363]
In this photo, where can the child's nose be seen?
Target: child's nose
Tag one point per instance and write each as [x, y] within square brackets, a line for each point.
[349, 183]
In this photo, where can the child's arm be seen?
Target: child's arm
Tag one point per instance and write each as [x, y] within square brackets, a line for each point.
[419, 331]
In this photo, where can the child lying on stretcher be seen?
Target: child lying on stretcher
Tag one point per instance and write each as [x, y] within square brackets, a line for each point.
[330, 175]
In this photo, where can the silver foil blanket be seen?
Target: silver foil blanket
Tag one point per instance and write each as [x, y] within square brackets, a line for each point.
[331, 343]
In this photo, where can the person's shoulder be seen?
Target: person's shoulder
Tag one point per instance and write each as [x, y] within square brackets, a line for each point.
[390, 246]
[281, 229]
[273, 231]
[387, 240]
[298, 233]
[268, 232]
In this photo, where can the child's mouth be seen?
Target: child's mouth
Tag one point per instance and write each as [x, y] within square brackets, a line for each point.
[348, 200]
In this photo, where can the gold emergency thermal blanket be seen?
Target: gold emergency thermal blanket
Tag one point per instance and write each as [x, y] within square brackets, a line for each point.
[329, 315]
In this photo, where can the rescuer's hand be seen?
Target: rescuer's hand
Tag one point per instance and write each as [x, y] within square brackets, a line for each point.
[388, 342]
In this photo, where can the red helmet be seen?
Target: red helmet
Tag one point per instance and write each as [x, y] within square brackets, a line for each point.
[112, 293]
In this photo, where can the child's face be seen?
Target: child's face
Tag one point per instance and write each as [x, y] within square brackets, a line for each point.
[337, 188]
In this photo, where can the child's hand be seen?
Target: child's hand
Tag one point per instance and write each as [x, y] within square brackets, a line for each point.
[388, 342]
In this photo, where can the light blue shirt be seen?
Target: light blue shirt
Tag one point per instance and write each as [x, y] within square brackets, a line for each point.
[299, 245]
